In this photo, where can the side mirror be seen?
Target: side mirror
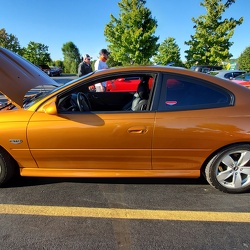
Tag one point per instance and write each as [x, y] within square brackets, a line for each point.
[50, 109]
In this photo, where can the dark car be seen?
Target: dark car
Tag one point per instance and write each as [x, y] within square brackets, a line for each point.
[205, 68]
[51, 70]
[56, 71]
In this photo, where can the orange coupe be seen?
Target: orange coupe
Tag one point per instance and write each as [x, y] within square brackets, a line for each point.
[183, 125]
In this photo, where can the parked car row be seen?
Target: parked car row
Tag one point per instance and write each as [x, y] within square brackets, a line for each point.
[238, 76]
[228, 74]
[205, 68]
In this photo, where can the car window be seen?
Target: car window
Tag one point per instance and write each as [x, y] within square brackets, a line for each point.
[238, 74]
[213, 73]
[245, 77]
[121, 93]
[186, 94]
[228, 75]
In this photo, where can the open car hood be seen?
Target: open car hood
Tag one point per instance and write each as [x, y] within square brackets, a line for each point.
[18, 76]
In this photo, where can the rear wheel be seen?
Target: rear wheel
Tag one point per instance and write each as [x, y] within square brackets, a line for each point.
[229, 170]
[8, 167]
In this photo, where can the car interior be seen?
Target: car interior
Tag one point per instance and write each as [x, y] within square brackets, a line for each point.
[85, 98]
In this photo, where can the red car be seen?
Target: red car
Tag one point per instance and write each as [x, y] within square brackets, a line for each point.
[243, 79]
[128, 84]
[242, 82]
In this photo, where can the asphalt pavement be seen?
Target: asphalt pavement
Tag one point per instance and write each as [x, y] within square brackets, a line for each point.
[81, 213]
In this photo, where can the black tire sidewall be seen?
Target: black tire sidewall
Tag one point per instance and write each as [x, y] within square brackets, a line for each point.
[3, 170]
[8, 167]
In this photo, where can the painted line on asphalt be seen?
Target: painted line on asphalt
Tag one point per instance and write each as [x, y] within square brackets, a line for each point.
[117, 213]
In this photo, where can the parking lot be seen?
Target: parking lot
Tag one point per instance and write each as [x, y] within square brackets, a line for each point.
[64, 213]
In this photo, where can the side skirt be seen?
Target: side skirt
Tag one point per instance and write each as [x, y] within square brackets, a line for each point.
[96, 173]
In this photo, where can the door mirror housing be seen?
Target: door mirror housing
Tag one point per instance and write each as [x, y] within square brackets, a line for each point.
[50, 108]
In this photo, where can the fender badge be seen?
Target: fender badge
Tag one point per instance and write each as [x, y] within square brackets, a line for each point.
[15, 141]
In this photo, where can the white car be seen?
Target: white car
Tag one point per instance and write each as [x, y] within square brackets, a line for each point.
[227, 74]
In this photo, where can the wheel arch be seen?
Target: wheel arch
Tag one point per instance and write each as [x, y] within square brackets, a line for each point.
[213, 154]
[6, 153]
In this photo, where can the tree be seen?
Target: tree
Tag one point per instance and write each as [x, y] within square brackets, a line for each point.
[37, 53]
[9, 41]
[244, 60]
[130, 37]
[211, 42]
[168, 52]
[72, 57]
[112, 62]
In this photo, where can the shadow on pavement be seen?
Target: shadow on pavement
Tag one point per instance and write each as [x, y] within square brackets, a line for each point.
[34, 181]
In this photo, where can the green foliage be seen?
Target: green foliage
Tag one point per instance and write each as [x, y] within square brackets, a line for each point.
[130, 36]
[93, 64]
[58, 63]
[37, 53]
[112, 62]
[9, 41]
[211, 42]
[244, 60]
[132, 41]
[71, 57]
[168, 52]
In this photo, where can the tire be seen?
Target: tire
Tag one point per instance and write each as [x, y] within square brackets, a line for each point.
[229, 169]
[8, 167]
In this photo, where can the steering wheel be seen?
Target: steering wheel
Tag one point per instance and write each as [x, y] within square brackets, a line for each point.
[83, 102]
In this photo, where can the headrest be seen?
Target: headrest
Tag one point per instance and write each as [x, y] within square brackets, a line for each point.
[143, 90]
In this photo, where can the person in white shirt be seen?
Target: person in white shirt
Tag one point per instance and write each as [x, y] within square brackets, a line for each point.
[101, 64]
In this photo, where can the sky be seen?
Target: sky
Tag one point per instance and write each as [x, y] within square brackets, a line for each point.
[54, 23]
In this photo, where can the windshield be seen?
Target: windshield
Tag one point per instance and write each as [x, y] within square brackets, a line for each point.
[245, 77]
[40, 92]
[37, 94]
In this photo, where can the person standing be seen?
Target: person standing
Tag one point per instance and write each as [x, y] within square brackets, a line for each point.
[85, 66]
[101, 64]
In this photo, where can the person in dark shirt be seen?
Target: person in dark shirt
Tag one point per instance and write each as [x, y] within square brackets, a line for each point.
[85, 66]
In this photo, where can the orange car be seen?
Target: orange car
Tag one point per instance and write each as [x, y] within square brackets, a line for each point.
[186, 125]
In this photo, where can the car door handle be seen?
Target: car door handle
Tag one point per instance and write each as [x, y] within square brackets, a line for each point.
[138, 130]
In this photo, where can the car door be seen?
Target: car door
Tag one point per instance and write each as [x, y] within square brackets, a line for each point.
[187, 124]
[110, 140]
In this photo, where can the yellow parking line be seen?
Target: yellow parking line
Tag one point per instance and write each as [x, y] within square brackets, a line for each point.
[117, 213]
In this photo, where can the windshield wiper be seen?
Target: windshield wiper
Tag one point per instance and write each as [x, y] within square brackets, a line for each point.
[28, 99]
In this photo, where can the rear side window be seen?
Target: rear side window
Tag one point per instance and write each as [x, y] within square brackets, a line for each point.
[187, 93]
[228, 75]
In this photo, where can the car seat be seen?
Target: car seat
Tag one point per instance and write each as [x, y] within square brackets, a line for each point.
[141, 96]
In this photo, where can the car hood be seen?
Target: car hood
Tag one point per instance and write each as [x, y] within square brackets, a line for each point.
[18, 76]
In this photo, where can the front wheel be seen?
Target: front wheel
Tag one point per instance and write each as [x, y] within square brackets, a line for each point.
[229, 170]
[8, 167]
